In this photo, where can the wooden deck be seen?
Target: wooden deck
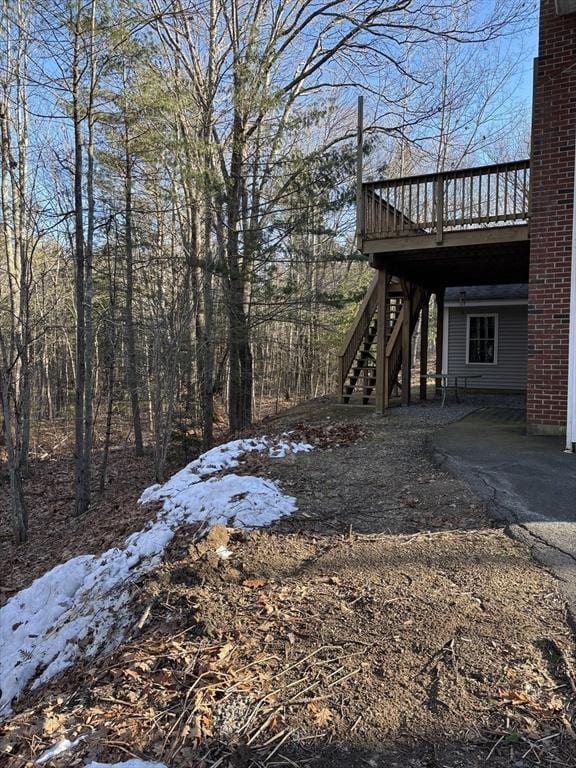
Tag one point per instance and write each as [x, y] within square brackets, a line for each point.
[425, 233]
[468, 226]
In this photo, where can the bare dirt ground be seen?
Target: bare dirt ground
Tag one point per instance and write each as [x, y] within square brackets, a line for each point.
[388, 623]
[384, 482]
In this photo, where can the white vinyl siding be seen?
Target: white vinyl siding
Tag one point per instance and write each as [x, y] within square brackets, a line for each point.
[509, 370]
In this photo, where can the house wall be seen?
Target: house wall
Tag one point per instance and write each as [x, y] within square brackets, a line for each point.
[509, 373]
[552, 185]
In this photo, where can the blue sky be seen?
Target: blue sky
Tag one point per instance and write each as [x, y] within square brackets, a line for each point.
[527, 49]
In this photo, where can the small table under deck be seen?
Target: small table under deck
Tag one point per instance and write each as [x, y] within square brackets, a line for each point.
[445, 378]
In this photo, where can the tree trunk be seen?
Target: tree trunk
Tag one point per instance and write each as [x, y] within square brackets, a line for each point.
[131, 354]
[79, 286]
[240, 361]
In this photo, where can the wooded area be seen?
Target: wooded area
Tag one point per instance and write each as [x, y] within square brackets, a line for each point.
[177, 187]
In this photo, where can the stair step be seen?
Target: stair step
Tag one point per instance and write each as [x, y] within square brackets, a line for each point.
[360, 384]
[360, 387]
[361, 400]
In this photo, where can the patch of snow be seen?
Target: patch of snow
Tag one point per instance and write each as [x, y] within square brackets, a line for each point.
[241, 501]
[218, 459]
[223, 552]
[127, 764]
[62, 746]
[79, 608]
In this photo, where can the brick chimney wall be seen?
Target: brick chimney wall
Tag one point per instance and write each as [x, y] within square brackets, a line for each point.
[552, 195]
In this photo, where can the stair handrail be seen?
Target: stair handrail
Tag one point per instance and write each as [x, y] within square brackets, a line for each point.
[358, 328]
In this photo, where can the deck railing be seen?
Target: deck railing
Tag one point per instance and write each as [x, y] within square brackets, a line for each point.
[471, 198]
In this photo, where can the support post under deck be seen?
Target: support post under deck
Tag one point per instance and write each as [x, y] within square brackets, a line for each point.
[381, 343]
[406, 343]
[439, 337]
[424, 349]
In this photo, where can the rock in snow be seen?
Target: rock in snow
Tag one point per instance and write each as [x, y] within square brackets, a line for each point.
[77, 608]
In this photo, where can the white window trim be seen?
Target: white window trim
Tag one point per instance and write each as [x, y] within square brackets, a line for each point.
[487, 303]
[482, 314]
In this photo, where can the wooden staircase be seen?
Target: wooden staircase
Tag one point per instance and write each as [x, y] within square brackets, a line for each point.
[357, 356]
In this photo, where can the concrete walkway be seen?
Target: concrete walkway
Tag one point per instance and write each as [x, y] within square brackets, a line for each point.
[529, 483]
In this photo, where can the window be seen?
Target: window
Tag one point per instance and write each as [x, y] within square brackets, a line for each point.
[482, 339]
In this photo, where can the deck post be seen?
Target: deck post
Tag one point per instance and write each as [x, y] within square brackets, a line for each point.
[424, 347]
[341, 379]
[439, 337]
[381, 343]
[439, 207]
[406, 342]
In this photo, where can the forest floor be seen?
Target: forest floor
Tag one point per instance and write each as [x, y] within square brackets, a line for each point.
[54, 534]
[389, 622]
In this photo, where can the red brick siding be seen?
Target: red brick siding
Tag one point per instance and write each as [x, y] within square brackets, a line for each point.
[552, 186]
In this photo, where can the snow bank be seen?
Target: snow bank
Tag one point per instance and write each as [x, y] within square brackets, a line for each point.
[127, 764]
[63, 746]
[76, 609]
[218, 459]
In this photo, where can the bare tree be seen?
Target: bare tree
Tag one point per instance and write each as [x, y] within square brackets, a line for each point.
[18, 242]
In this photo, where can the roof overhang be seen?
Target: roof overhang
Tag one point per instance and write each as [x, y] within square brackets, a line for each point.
[564, 7]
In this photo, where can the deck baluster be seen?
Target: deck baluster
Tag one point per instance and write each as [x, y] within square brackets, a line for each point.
[497, 194]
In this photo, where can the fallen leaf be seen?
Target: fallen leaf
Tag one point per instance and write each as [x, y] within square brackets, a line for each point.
[254, 583]
[322, 715]
[514, 697]
[52, 723]
[225, 650]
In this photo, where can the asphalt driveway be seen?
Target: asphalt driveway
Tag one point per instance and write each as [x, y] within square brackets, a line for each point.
[529, 483]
